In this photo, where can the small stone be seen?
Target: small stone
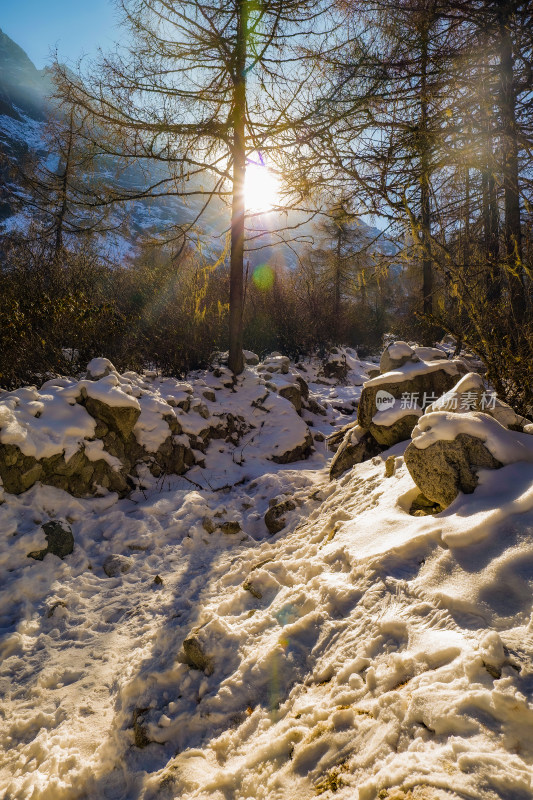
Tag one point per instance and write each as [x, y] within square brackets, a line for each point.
[209, 395]
[423, 507]
[116, 565]
[230, 527]
[250, 588]
[158, 580]
[390, 466]
[196, 657]
[275, 519]
[139, 730]
[208, 525]
[203, 411]
[318, 437]
[59, 604]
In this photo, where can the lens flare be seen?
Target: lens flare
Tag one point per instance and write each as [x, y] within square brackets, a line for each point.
[263, 277]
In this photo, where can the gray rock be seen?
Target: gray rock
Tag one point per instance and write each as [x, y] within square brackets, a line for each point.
[358, 445]
[116, 565]
[298, 453]
[336, 369]
[59, 538]
[390, 466]
[304, 386]
[248, 585]
[209, 395]
[435, 382]
[250, 358]
[195, 655]
[390, 361]
[117, 418]
[399, 431]
[230, 527]
[293, 394]
[208, 525]
[140, 731]
[423, 506]
[314, 407]
[79, 476]
[446, 468]
[335, 439]
[99, 368]
[275, 517]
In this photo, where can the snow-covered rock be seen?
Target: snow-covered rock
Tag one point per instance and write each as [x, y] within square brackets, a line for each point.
[449, 447]
[391, 403]
[396, 355]
[447, 467]
[357, 445]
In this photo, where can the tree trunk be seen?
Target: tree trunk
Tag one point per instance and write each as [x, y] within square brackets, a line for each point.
[337, 300]
[509, 144]
[63, 195]
[236, 292]
[489, 200]
[425, 212]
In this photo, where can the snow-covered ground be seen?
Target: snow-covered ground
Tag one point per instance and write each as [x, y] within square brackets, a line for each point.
[359, 653]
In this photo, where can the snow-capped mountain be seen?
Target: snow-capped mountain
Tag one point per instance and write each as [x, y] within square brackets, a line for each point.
[24, 110]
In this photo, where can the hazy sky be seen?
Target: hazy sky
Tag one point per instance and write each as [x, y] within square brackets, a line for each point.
[74, 26]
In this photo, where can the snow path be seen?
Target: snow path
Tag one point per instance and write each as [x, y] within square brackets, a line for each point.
[387, 656]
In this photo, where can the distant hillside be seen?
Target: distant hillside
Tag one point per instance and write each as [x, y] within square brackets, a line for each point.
[24, 109]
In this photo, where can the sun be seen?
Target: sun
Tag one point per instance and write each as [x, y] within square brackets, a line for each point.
[261, 187]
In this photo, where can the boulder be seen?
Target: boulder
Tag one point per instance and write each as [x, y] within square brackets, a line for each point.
[430, 353]
[470, 394]
[304, 387]
[298, 453]
[79, 475]
[140, 730]
[60, 541]
[314, 406]
[447, 467]
[396, 355]
[121, 420]
[292, 393]
[230, 527]
[420, 379]
[275, 517]
[99, 368]
[397, 431]
[335, 367]
[423, 507]
[335, 439]
[358, 445]
[275, 363]
[173, 458]
[250, 358]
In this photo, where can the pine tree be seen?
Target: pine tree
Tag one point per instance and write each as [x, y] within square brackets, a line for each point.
[198, 90]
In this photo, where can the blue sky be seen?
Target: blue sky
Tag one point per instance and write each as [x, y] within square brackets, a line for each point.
[74, 26]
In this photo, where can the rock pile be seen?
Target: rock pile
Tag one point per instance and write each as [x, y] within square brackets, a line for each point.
[392, 402]
[105, 431]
